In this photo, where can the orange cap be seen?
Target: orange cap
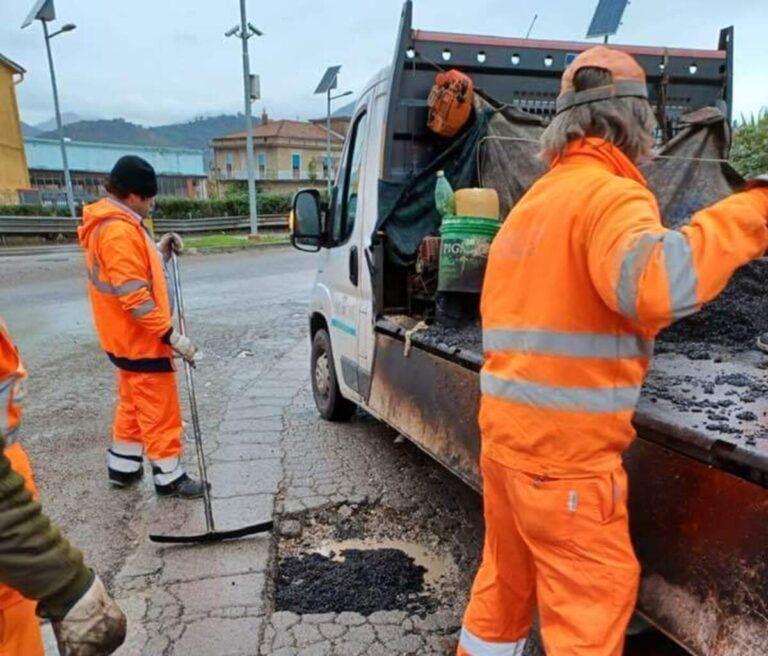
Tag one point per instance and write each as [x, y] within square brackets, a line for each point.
[628, 78]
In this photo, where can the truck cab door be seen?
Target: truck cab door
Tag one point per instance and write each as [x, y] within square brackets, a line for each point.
[343, 259]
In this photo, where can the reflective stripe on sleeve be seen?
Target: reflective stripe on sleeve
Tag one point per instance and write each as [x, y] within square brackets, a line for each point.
[6, 391]
[584, 399]
[678, 261]
[569, 344]
[478, 647]
[678, 265]
[107, 288]
[632, 267]
[145, 308]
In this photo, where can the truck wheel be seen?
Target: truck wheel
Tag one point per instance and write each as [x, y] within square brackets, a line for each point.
[325, 388]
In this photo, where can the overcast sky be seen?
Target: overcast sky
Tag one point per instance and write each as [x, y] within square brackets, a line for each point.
[161, 61]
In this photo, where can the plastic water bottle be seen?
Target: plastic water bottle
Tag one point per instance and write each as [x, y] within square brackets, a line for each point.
[444, 200]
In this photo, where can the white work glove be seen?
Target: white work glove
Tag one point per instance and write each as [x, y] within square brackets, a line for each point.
[94, 626]
[183, 346]
[169, 243]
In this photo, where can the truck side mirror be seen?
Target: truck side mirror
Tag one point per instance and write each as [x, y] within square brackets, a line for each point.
[306, 221]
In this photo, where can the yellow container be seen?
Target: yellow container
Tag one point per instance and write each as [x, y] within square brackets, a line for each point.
[478, 202]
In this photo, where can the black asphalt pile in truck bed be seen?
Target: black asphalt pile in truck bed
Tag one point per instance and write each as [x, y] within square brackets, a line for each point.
[732, 321]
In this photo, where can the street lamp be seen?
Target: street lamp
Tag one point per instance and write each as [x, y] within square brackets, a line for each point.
[45, 12]
[251, 92]
[329, 82]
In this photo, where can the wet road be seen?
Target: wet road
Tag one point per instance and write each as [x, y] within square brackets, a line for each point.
[325, 484]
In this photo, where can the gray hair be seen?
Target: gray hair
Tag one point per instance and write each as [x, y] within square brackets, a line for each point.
[627, 123]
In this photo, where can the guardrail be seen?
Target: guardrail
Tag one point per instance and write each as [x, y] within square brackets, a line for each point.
[61, 225]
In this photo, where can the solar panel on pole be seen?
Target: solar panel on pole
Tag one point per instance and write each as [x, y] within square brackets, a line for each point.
[43, 10]
[607, 18]
[329, 81]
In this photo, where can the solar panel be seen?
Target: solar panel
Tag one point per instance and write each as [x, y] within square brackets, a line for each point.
[42, 10]
[329, 81]
[607, 18]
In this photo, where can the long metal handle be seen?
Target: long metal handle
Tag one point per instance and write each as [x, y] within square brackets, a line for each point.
[193, 401]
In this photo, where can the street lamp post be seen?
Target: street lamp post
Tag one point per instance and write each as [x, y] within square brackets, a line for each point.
[327, 84]
[44, 11]
[244, 32]
[67, 177]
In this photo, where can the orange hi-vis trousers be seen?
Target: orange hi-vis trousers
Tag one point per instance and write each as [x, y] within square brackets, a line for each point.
[148, 418]
[19, 625]
[562, 545]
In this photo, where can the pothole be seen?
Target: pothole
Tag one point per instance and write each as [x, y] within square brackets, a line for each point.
[352, 559]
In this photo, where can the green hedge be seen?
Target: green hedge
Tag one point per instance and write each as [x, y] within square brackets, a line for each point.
[749, 153]
[179, 208]
[32, 210]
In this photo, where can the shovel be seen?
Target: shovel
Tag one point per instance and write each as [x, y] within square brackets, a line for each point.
[211, 534]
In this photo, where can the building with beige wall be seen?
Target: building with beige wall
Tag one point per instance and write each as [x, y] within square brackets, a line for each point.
[288, 155]
[13, 162]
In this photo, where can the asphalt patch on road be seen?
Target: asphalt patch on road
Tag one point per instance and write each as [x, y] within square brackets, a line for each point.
[361, 581]
[353, 558]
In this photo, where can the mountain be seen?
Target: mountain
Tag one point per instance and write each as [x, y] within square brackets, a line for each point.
[66, 119]
[199, 132]
[193, 134]
[345, 111]
[29, 130]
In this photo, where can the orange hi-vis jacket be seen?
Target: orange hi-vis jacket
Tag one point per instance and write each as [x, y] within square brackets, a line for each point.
[580, 279]
[127, 287]
[12, 380]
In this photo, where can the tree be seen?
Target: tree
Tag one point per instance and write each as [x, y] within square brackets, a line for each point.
[749, 154]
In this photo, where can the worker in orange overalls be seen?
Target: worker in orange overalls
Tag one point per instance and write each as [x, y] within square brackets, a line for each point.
[580, 279]
[132, 307]
[35, 557]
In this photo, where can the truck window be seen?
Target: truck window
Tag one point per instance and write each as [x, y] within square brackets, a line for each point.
[345, 197]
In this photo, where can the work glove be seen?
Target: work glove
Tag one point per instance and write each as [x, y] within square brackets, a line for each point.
[183, 346]
[758, 181]
[169, 243]
[94, 626]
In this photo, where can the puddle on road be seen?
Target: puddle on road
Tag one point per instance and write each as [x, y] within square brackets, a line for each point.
[437, 566]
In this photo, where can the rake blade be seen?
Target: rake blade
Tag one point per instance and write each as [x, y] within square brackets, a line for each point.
[214, 536]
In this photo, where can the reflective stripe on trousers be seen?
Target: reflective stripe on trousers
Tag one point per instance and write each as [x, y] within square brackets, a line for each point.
[678, 263]
[556, 397]
[125, 457]
[568, 344]
[166, 471]
[474, 646]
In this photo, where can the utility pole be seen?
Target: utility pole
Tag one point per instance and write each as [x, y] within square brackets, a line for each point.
[44, 11]
[59, 126]
[244, 32]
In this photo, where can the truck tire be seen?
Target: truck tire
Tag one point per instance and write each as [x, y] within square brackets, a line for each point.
[325, 387]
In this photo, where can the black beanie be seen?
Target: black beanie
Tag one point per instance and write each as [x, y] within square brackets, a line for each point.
[133, 175]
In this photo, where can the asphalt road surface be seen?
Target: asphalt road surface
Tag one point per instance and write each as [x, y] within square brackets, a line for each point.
[349, 499]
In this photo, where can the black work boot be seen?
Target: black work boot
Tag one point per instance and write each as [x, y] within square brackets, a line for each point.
[183, 487]
[124, 479]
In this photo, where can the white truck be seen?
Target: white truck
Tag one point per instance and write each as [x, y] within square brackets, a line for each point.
[699, 501]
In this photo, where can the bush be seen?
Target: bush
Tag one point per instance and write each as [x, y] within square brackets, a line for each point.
[167, 207]
[33, 210]
[233, 205]
[749, 154]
